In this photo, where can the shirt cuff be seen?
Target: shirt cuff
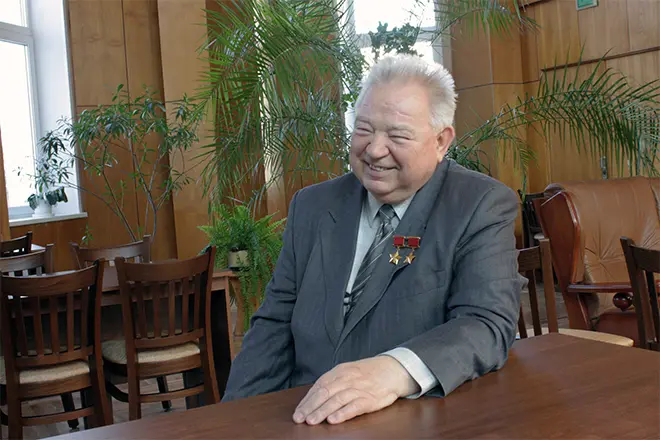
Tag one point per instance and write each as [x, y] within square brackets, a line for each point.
[416, 368]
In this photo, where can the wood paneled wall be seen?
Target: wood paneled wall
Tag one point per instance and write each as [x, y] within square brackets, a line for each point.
[59, 233]
[492, 70]
[155, 43]
[138, 43]
[116, 42]
[181, 34]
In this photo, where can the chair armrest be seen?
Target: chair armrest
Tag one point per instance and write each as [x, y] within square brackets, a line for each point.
[623, 299]
[599, 288]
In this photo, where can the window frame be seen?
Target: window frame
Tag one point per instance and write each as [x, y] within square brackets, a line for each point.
[23, 35]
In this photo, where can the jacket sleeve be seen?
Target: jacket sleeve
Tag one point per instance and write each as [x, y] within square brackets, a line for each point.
[267, 356]
[484, 298]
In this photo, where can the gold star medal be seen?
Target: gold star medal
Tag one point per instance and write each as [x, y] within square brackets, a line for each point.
[413, 243]
[399, 241]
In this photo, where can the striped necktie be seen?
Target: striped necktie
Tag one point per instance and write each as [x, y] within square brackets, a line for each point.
[386, 214]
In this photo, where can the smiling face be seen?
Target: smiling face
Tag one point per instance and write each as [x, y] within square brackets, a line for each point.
[394, 149]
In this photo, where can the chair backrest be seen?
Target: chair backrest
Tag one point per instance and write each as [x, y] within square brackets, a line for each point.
[655, 186]
[531, 225]
[16, 246]
[530, 260]
[139, 251]
[34, 263]
[584, 220]
[31, 326]
[642, 264]
[167, 303]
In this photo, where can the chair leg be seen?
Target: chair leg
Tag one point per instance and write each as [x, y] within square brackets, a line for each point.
[14, 416]
[67, 403]
[211, 392]
[100, 397]
[163, 388]
[3, 400]
[134, 406]
[84, 400]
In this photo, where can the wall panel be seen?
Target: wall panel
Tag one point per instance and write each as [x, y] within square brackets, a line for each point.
[59, 233]
[98, 56]
[558, 38]
[144, 70]
[471, 57]
[604, 29]
[181, 35]
[117, 42]
[644, 24]
[618, 26]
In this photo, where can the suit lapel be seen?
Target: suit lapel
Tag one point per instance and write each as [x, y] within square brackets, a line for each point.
[338, 240]
[413, 224]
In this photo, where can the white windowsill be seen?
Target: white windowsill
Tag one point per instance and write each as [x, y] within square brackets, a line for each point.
[54, 218]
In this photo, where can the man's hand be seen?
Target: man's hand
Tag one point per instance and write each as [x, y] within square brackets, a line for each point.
[353, 389]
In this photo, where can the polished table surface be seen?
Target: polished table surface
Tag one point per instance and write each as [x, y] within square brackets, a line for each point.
[553, 386]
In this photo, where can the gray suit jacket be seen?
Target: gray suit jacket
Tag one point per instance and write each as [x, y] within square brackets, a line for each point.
[456, 306]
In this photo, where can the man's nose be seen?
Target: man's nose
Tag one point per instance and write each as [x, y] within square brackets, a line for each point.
[377, 148]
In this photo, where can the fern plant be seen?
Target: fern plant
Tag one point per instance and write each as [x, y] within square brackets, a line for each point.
[234, 229]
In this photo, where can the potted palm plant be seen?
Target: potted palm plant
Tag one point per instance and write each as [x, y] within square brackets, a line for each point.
[284, 64]
[248, 245]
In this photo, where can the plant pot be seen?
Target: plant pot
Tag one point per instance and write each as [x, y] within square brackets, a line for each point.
[43, 210]
[237, 260]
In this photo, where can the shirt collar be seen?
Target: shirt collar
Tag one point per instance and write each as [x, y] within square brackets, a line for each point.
[373, 205]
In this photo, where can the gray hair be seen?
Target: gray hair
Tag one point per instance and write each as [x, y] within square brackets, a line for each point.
[433, 76]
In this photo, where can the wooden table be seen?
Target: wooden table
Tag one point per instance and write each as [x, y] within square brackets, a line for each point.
[553, 386]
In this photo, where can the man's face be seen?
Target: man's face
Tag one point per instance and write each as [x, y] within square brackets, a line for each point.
[394, 149]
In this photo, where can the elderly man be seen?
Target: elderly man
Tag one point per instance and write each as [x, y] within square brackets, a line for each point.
[395, 280]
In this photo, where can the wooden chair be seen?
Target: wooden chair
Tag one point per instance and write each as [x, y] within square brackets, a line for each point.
[532, 230]
[642, 264]
[37, 361]
[584, 221]
[139, 251]
[17, 246]
[33, 263]
[532, 259]
[180, 291]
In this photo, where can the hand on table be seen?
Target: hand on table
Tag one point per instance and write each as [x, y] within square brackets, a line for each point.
[353, 389]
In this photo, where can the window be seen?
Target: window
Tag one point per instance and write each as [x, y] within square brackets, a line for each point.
[368, 13]
[365, 16]
[35, 92]
[18, 121]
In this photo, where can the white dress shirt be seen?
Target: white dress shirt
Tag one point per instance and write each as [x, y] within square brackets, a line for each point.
[369, 224]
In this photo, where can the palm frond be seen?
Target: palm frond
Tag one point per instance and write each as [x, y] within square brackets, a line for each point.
[274, 88]
[499, 16]
[603, 113]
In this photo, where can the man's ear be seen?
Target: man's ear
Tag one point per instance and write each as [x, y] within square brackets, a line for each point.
[445, 138]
